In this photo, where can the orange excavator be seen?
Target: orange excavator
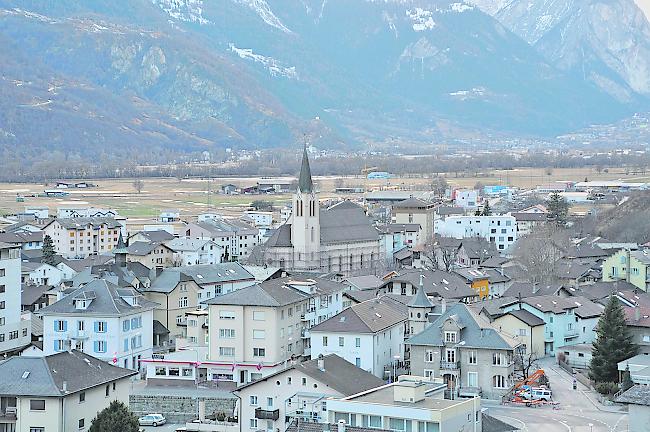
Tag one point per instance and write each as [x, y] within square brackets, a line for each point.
[521, 392]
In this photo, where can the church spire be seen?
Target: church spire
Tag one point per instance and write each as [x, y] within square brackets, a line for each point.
[420, 300]
[305, 184]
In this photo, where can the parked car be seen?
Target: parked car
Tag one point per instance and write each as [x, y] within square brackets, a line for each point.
[152, 420]
[538, 394]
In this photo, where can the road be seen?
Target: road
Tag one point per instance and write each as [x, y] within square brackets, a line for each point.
[579, 410]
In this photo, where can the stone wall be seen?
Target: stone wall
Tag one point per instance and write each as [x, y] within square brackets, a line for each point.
[179, 409]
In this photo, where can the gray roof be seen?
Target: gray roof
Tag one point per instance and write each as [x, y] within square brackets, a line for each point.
[167, 281]
[412, 202]
[93, 260]
[370, 316]
[305, 183]
[107, 301]
[157, 236]
[31, 293]
[270, 295]
[637, 395]
[641, 255]
[420, 299]
[141, 248]
[437, 283]
[83, 222]
[365, 282]
[584, 307]
[44, 376]
[449, 210]
[187, 244]
[529, 217]
[601, 290]
[494, 262]
[21, 237]
[478, 248]
[492, 306]
[215, 273]
[475, 331]
[527, 317]
[491, 424]
[338, 374]
[219, 226]
[527, 289]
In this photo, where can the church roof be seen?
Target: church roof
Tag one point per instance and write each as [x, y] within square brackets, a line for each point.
[420, 300]
[305, 184]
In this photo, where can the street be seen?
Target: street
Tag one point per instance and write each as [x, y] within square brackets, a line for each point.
[579, 409]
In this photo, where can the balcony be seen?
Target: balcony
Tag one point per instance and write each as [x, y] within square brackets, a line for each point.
[80, 334]
[571, 333]
[8, 410]
[266, 414]
[305, 334]
[470, 391]
[450, 365]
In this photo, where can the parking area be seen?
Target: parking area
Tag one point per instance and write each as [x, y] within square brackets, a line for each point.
[163, 428]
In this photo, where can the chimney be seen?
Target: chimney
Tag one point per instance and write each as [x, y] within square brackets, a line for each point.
[637, 313]
[341, 426]
[65, 386]
[443, 306]
[321, 363]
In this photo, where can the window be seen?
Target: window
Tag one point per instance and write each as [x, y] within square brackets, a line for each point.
[2, 289]
[174, 371]
[450, 355]
[472, 379]
[471, 357]
[252, 400]
[226, 333]
[258, 316]
[522, 332]
[228, 315]
[450, 337]
[82, 397]
[259, 352]
[399, 424]
[357, 342]
[428, 356]
[82, 423]
[188, 372]
[59, 326]
[289, 382]
[253, 423]
[126, 325]
[226, 351]
[36, 429]
[499, 359]
[183, 302]
[107, 391]
[259, 334]
[499, 381]
[304, 381]
[269, 402]
[371, 421]
[59, 345]
[99, 346]
[37, 404]
[341, 341]
[100, 326]
[324, 341]
[161, 371]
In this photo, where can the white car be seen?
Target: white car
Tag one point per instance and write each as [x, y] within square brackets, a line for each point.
[152, 420]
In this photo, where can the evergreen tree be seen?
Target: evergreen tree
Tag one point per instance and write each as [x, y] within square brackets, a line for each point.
[558, 208]
[613, 344]
[115, 418]
[627, 379]
[486, 209]
[477, 212]
[48, 250]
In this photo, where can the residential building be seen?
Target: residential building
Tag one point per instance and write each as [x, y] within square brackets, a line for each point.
[616, 268]
[34, 297]
[255, 330]
[217, 279]
[100, 319]
[27, 240]
[340, 238]
[235, 237]
[639, 368]
[370, 335]
[466, 198]
[477, 279]
[170, 216]
[81, 237]
[638, 403]
[59, 393]
[437, 283]
[574, 274]
[638, 322]
[524, 327]
[501, 230]
[470, 354]
[196, 332]
[153, 255]
[577, 356]
[261, 219]
[527, 222]
[40, 274]
[411, 404]
[190, 252]
[14, 330]
[473, 252]
[415, 211]
[568, 321]
[85, 212]
[300, 391]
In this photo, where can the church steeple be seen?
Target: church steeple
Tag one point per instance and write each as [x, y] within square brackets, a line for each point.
[305, 184]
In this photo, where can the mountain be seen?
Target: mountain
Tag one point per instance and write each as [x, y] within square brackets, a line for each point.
[606, 42]
[152, 80]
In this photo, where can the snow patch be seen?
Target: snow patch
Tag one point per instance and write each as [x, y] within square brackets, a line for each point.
[275, 68]
[474, 93]
[422, 19]
[391, 23]
[263, 10]
[183, 10]
[460, 7]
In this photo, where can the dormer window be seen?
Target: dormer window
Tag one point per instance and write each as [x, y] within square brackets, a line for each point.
[81, 304]
[133, 301]
[450, 337]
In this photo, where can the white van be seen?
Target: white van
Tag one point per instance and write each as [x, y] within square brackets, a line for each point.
[543, 394]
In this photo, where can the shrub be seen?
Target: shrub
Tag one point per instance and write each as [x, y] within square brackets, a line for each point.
[606, 388]
[221, 416]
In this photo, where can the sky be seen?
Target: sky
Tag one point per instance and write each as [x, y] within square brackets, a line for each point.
[645, 5]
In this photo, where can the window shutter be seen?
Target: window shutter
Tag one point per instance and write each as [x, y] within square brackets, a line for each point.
[96, 328]
[65, 326]
[126, 344]
[96, 343]
[56, 325]
[105, 326]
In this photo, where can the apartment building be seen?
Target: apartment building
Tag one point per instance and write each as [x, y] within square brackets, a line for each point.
[189, 252]
[416, 211]
[217, 279]
[471, 356]
[14, 331]
[630, 266]
[150, 254]
[638, 323]
[100, 319]
[437, 283]
[500, 230]
[235, 237]
[59, 393]
[81, 237]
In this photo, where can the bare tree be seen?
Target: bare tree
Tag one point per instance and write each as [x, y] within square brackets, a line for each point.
[439, 255]
[439, 186]
[138, 185]
[524, 363]
[538, 252]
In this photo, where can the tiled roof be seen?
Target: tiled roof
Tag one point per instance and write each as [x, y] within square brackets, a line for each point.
[527, 317]
[437, 283]
[215, 273]
[637, 395]
[370, 316]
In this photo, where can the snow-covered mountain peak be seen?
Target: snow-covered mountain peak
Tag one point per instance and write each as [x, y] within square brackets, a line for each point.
[264, 11]
[183, 10]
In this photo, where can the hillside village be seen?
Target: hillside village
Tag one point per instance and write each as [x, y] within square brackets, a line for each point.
[393, 310]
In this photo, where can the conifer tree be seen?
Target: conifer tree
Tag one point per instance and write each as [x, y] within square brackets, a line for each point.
[115, 418]
[558, 208]
[486, 209]
[48, 250]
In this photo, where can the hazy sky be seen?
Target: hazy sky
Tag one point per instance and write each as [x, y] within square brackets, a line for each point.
[645, 5]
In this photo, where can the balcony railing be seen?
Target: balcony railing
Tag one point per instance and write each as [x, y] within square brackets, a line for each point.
[450, 365]
[470, 391]
[571, 333]
[262, 414]
[80, 334]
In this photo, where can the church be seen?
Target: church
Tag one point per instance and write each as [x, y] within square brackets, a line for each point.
[340, 238]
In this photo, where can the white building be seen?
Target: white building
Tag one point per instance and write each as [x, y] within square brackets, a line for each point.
[41, 274]
[300, 392]
[14, 331]
[411, 404]
[498, 229]
[59, 393]
[215, 280]
[466, 198]
[195, 251]
[260, 219]
[81, 237]
[638, 401]
[85, 212]
[370, 335]
[102, 320]
[236, 238]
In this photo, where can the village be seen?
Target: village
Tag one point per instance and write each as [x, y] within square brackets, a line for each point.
[434, 308]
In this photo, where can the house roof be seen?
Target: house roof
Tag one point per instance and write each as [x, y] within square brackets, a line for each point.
[491, 424]
[188, 245]
[31, 293]
[641, 255]
[475, 331]
[338, 374]
[637, 395]
[21, 237]
[141, 248]
[643, 314]
[572, 270]
[167, 281]
[267, 294]
[45, 376]
[478, 248]
[413, 203]
[449, 210]
[107, 300]
[494, 262]
[529, 217]
[584, 308]
[587, 251]
[527, 317]
[437, 283]
[215, 273]
[83, 222]
[527, 289]
[492, 306]
[93, 260]
[370, 316]
[157, 236]
[305, 184]
[365, 282]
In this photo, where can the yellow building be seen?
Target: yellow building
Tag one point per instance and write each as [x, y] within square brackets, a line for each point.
[525, 327]
[630, 266]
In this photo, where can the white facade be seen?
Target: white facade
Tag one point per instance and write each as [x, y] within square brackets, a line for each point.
[104, 337]
[372, 352]
[260, 219]
[499, 229]
[189, 252]
[14, 331]
[79, 240]
[44, 274]
[466, 198]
